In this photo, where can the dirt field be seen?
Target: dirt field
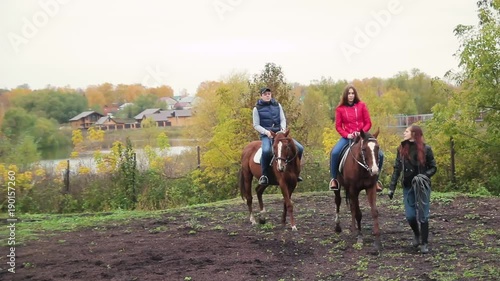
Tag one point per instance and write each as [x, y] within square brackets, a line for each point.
[218, 243]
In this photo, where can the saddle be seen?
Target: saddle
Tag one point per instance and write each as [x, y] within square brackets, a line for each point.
[256, 157]
[343, 156]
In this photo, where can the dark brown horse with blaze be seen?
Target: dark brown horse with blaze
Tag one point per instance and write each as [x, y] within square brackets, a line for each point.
[360, 172]
[285, 172]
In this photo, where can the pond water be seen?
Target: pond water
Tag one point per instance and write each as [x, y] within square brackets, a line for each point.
[64, 152]
[87, 159]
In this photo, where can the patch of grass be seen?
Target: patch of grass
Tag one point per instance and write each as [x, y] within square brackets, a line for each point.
[445, 198]
[266, 226]
[158, 229]
[218, 227]
[471, 216]
[194, 224]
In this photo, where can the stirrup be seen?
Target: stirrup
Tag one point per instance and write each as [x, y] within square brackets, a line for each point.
[263, 180]
[380, 186]
[334, 188]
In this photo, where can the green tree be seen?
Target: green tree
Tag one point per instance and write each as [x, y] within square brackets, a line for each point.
[47, 134]
[17, 122]
[456, 118]
[58, 104]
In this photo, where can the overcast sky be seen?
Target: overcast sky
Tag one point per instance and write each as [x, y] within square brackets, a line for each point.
[183, 43]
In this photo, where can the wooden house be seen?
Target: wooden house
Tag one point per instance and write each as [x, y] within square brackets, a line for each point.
[85, 119]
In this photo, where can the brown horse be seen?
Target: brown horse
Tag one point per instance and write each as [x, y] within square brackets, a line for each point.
[285, 171]
[360, 172]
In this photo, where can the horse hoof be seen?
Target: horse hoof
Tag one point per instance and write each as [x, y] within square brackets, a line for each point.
[294, 228]
[262, 220]
[338, 229]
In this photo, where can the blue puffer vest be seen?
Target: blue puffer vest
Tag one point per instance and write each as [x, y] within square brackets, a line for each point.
[269, 114]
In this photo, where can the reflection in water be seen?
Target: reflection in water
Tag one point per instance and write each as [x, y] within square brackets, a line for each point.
[58, 153]
[88, 160]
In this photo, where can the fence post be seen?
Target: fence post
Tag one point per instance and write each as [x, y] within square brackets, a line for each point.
[66, 178]
[198, 151]
[133, 178]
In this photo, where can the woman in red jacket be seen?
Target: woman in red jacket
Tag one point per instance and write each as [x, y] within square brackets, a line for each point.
[351, 116]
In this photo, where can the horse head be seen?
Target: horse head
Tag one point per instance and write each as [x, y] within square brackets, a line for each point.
[369, 151]
[284, 149]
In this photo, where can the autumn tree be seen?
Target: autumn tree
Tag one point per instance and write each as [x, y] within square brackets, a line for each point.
[161, 91]
[224, 126]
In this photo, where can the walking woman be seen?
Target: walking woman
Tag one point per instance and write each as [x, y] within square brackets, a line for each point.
[416, 160]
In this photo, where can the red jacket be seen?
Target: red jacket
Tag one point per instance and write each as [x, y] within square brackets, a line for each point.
[350, 119]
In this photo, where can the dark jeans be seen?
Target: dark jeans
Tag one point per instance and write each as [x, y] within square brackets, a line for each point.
[410, 202]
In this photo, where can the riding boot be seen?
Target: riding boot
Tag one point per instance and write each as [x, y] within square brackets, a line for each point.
[334, 185]
[416, 233]
[424, 226]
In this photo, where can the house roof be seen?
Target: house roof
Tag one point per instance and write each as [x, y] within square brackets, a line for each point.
[161, 116]
[125, 105]
[83, 115]
[102, 120]
[169, 100]
[124, 120]
[105, 119]
[182, 104]
[179, 113]
[188, 99]
[146, 112]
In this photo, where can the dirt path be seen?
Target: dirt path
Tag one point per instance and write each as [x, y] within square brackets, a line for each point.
[218, 243]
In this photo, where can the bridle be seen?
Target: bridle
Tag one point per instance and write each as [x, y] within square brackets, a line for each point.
[278, 158]
[363, 158]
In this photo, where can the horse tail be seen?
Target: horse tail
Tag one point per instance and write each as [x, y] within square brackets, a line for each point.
[241, 183]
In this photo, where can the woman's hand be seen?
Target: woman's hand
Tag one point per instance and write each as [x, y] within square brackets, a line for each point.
[353, 135]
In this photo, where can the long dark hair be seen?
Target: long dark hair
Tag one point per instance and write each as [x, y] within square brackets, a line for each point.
[418, 136]
[343, 98]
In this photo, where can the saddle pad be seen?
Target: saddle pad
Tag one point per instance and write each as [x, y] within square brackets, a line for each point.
[258, 154]
[343, 158]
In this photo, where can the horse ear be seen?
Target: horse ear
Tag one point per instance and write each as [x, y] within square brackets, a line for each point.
[273, 134]
[362, 134]
[287, 132]
[376, 133]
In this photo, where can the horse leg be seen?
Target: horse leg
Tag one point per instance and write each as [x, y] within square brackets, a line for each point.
[260, 191]
[356, 217]
[248, 196]
[338, 202]
[372, 200]
[287, 207]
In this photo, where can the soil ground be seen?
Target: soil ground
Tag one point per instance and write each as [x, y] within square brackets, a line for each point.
[217, 242]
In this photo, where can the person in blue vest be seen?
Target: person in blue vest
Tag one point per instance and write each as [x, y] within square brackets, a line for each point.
[268, 116]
